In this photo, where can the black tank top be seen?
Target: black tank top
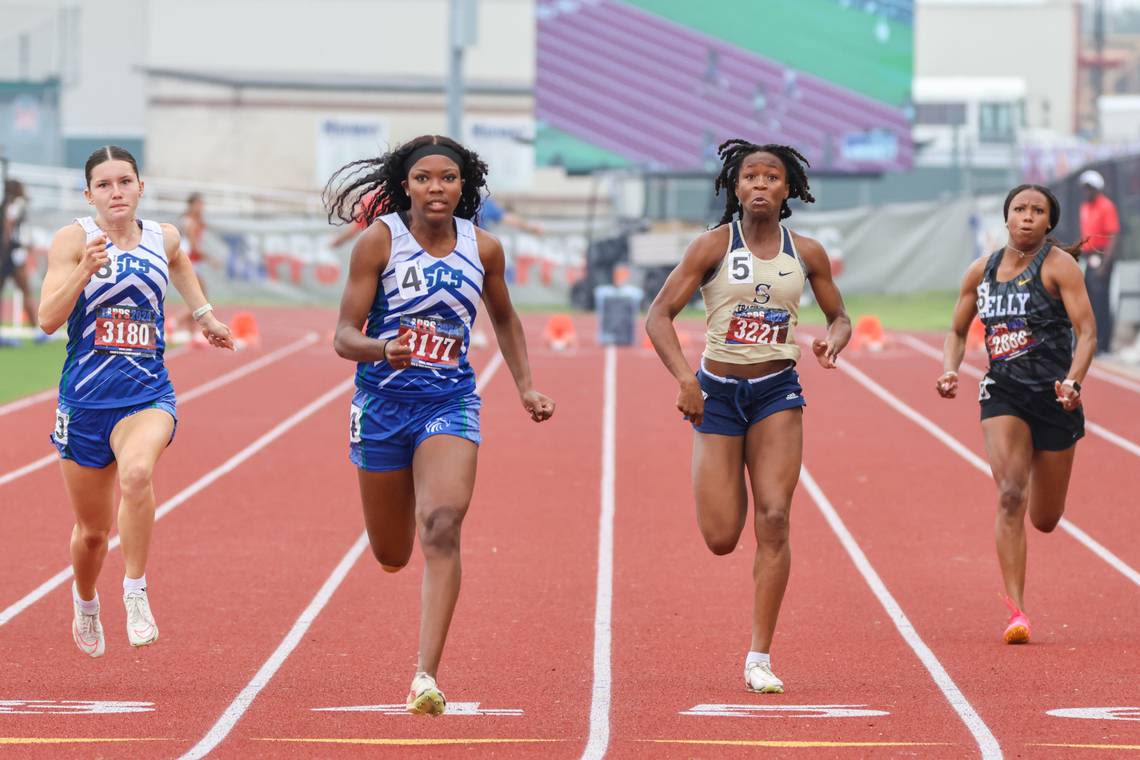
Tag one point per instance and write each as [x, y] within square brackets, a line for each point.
[1028, 333]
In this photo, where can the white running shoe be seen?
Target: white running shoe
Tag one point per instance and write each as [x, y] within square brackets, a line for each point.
[141, 629]
[425, 698]
[758, 677]
[87, 632]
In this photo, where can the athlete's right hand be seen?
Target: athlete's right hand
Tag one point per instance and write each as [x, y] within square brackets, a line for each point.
[95, 256]
[691, 401]
[398, 351]
[948, 384]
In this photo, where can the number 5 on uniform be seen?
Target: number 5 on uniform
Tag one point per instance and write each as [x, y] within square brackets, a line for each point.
[740, 266]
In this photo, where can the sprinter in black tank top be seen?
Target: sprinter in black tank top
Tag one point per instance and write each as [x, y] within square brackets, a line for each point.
[1031, 297]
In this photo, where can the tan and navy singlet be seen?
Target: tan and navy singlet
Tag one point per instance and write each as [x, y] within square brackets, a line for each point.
[752, 304]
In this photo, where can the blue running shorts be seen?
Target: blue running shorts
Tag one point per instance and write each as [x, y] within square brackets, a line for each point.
[733, 404]
[384, 433]
[84, 435]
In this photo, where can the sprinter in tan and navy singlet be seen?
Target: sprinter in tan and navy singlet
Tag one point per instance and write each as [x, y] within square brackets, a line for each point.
[745, 402]
[752, 303]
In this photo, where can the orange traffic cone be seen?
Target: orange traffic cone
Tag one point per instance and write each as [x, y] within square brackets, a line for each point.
[244, 329]
[976, 338]
[560, 333]
[868, 333]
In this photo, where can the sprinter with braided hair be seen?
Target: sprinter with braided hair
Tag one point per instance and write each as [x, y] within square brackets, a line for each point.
[745, 403]
[733, 153]
[405, 317]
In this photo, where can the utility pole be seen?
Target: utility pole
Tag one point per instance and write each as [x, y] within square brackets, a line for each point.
[462, 32]
[1098, 63]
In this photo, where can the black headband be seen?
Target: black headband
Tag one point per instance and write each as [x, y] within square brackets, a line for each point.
[432, 149]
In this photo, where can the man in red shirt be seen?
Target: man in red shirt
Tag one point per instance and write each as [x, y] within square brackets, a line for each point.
[1100, 226]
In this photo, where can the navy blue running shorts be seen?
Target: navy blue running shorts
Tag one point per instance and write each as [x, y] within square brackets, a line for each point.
[733, 404]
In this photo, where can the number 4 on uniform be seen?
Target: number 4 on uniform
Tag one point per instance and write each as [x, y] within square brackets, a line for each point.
[410, 279]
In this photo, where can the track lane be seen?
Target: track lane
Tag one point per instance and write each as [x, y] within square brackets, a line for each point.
[683, 617]
[521, 635]
[1098, 494]
[210, 431]
[925, 518]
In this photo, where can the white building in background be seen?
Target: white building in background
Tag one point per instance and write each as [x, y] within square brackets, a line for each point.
[1119, 118]
[970, 121]
[285, 90]
[1035, 41]
[271, 92]
[90, 55]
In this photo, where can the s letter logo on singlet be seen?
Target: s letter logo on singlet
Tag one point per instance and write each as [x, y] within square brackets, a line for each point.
[762, 295]
[983, 295]
[740, 266]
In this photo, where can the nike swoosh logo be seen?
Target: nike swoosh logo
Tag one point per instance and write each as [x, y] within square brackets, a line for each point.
[785, 274]
[1023, 282]
[83, 644]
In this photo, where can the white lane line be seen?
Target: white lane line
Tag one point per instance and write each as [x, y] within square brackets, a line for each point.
[987, 743]
[952, 443]
[20, 472]
[973, 371]
[1114, 379]
[50, 393]
[186, 493]
[190, 395]
[599, 737]
[269, 668]
[22, 403]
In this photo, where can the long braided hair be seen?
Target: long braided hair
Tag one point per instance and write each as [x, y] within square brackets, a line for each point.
[366, 189]
[733, 153]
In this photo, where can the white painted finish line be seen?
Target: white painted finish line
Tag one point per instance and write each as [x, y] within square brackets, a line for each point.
[453, 709]
[1097, 713]
[783, 711]
[70, 707]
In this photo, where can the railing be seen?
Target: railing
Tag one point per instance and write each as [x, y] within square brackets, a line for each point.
[63, 188]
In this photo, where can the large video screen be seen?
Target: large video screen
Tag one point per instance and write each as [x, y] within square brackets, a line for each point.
[658, 84]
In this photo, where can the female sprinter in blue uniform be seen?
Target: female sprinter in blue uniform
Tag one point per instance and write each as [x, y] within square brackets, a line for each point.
[1031, 297]
[107, 278]
[745, 403]
[405, 317]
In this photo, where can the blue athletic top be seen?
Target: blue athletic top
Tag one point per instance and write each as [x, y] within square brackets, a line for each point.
[436, 299]
[115, 332]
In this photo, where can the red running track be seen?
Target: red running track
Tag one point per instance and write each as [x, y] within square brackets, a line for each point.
[898, 656]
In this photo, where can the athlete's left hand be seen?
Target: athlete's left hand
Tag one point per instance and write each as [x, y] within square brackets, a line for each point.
[217, 333]
[538, 405]
[826, 352]
[1067, 396]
